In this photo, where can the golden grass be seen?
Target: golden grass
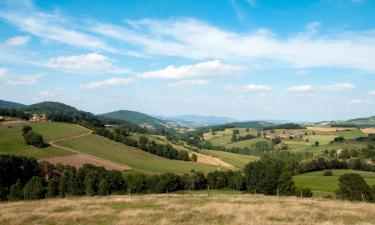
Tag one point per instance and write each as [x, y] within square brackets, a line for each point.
[187, 209]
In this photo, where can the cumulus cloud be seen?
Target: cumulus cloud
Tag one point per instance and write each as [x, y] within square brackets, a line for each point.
[92, 62]
[338, 87]
[18, 41]
[24, 80]
[182, 83]
[301, 88]
[248, 88]
[112, 82]
[212, 69]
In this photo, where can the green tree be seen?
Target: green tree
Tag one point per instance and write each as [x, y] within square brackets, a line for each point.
[142, 142]
[52, 188]
[91, 183]
[354, 188]
[286, 185]
[16, 191]
[26, 129]
[33, 189]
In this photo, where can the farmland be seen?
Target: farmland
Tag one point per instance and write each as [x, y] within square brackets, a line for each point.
[186, 209]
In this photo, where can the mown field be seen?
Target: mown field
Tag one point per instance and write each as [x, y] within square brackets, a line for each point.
[11, 140]
[316, 181]
[137, 159]
[237, 160]
[187, 209]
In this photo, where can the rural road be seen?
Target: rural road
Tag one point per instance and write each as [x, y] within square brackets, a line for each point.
[86, 157]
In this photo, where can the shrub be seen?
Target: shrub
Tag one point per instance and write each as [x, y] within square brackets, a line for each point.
[194, 157]
[32, 138]
[327, 173]
[286, 184]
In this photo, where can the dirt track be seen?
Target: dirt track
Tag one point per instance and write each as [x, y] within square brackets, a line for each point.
[79, 158]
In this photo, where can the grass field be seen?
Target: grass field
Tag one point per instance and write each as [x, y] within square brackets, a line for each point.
[236, 160]
[54, 130]
[187, 209]
[316, 181]
[137, 159]
[11, 142]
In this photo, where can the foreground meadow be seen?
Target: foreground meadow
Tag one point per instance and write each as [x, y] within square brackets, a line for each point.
[187, 209]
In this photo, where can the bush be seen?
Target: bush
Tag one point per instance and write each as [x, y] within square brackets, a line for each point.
[194, 157]
[327, 173]
[354, 188]
[286, 184]
[32, 138]
[52, 188]
[33, 189]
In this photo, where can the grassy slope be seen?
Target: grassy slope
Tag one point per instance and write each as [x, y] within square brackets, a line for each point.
[236, 160]
[317, 182]
[11, 141]
[133, 157]
[188, 210]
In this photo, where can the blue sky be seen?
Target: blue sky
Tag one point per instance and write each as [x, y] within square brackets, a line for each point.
[246, 59]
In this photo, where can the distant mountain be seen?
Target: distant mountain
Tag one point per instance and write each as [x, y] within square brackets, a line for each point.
[198, 121]
[360, 122]
[140, 119]
[10, 105]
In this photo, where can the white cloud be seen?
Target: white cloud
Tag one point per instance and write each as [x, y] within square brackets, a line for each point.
[372, 92]
[52, 27]
[256, 88]
[248, 88]
[212, 69]
[301, 88]
[360, 101]
[112, 82]
[196, 39]
[92, 62]
[3, 72]
[182, 83]
[46, 94]
[24, 80]
[338, 87]
[18, 41]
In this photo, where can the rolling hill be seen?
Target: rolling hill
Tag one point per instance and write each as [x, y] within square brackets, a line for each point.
[198, 121]
[140, 119]
[10, 105]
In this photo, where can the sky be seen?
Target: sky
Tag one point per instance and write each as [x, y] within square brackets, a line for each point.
[246, 59]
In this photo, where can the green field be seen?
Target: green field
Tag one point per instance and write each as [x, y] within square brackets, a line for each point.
[236, 160]
[55, 130]
[316, 181]
[137, 159]
[11, 141]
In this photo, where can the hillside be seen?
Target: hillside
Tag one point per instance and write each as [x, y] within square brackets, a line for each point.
[193, 209]
[10, 105]
[138, 118]
[52, 107]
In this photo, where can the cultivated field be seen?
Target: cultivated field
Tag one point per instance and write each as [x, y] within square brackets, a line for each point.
[237, 160]
[187, 209]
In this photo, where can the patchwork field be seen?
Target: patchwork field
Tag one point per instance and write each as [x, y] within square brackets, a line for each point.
[318, 182]
[135, 158]
[187, 209]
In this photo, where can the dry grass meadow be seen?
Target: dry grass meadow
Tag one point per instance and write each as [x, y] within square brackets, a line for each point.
[186, 209]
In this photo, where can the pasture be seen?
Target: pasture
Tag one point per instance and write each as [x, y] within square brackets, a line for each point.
[11, 142]
[192, 209]
[237, 160]
[135, 158]
[316, 181]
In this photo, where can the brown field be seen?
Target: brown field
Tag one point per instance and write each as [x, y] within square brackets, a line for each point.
[78, 160]
[368, 130]
[329, 129]
[187, 209]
